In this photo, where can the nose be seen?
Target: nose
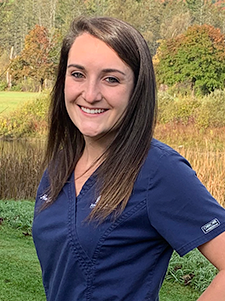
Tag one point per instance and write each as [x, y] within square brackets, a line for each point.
[92, 91]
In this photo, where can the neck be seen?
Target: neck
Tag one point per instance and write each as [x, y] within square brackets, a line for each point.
[94, 148]
[89, 161]
[92, 152]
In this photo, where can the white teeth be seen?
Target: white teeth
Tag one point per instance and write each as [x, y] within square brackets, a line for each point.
[92, 111]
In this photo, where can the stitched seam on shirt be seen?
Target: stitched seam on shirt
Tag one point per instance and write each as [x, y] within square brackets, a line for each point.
[85, 263]
[118, 222]
[79, 255]
[148, 296]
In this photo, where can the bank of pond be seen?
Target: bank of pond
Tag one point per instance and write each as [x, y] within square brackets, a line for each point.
[21, 160]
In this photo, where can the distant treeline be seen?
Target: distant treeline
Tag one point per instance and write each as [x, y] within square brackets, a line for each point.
[31, 33]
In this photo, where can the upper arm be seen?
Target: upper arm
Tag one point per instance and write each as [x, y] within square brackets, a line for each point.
[214, 251]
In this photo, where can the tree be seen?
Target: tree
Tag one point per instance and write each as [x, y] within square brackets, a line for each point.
[145, 15]
[34, 61]
[196, 57]
[176, 25]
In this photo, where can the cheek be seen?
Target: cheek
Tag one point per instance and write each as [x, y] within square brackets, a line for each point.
[70, 93]
[123, 98]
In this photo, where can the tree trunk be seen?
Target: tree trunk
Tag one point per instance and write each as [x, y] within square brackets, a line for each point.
[8, 75]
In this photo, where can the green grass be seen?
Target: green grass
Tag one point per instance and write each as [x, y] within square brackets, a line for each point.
[20, 277]
[10, 101]
[176, 292]
[17, 215]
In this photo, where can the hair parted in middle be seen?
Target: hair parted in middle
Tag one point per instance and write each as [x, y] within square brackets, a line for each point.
[125, 155]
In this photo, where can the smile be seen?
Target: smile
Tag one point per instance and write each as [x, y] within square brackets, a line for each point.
[92, 111]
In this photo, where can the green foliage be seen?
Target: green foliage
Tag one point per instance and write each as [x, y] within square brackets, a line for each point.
[193, 269]
[16, 87]
[196, 57]
[3, 85]
[29, 120]
[203, 112]
[212, 110]
[17, 214]
[172, 109]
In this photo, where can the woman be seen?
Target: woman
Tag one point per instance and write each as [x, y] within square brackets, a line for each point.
[114, 202]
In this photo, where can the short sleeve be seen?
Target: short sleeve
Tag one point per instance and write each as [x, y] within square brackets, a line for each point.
[179, 206]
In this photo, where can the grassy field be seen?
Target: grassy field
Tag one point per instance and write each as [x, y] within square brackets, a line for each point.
[10, 101]
[20, 277]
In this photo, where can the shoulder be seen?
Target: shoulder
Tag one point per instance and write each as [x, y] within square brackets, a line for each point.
[160, 149]
[162, 168]
[163, 159]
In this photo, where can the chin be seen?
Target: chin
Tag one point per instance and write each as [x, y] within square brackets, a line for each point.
[92, 135]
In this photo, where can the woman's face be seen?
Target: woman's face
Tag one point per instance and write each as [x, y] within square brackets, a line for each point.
[98, 86]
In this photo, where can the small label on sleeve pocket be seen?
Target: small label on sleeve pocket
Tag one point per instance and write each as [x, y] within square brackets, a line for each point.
[210, 225]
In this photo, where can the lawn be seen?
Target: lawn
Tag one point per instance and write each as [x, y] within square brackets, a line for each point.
[20, 277]
[10, 101]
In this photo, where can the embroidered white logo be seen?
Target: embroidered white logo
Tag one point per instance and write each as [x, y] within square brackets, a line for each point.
[210, 225]
[45, 198]
[95, 203]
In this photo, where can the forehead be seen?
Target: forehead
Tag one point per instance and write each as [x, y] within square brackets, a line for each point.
[89, 48]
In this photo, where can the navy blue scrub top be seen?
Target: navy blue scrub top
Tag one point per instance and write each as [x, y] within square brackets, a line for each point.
[126, 259]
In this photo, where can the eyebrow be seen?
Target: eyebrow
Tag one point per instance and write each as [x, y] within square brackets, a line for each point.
[107, 70]
[76, 66]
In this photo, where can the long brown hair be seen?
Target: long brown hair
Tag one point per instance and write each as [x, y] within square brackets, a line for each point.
[125, 155]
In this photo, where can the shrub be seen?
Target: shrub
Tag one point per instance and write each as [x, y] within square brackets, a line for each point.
[3, 85]
[181, 110]
[17, 214]
[165, 107]
[29, 84]
[212, 111]
[16, 87]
